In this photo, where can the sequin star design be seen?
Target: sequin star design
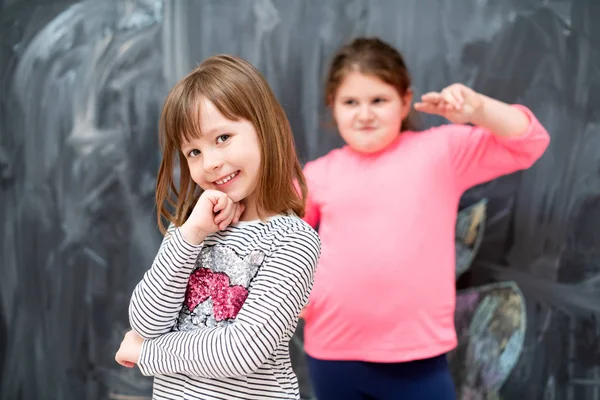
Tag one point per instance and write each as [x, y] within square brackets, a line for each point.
[218, 287]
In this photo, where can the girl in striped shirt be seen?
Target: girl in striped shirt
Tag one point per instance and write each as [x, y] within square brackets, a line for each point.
[213, 316]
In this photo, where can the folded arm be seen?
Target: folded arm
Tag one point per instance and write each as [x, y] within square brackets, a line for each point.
[157, 299]
[268, 317]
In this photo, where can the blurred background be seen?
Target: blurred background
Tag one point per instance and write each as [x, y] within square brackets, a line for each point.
[81, 87]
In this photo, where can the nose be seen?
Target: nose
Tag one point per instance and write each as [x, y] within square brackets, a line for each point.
[365, 113]
[212, 161]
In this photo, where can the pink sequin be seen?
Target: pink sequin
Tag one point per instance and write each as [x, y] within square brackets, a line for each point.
[227, 300]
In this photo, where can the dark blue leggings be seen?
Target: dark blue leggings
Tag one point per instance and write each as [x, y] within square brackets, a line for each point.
[427, 379]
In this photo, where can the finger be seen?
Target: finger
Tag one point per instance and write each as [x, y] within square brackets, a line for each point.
[119, 359]
[235, 213]
[457, 92]
[227, 221]
[127, 364]
[224, 213]
[449, 98]
[220, 201]
[223, 225]
[430, 108]
[431, 97]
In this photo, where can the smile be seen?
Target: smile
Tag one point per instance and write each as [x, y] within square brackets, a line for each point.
[226, 179]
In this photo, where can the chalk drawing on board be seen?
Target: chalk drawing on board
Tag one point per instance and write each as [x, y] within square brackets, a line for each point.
[470, 227]
[490, 325]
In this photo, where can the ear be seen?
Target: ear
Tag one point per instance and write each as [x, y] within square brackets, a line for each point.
[330, 100]
[406, 103]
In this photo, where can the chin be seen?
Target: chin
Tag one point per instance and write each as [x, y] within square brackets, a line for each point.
[375, 146]
[238, 194]
[236, 197]
[368, 149]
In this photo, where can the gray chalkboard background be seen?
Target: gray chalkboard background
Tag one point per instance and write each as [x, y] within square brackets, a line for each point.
[81, 86]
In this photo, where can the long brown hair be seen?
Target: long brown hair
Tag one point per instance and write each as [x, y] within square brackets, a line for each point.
[239, 91]
[370, 56]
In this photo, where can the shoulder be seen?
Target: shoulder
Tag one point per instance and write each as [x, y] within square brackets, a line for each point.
[443, 137]
[444, 129]
[291, 226]
[452, 131]
[321, 164]
[268, 237]
[292, 233]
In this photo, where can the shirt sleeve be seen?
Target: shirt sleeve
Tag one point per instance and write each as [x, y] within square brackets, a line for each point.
[477, 155]
[312, 214]
[268, 317]
[157, 299]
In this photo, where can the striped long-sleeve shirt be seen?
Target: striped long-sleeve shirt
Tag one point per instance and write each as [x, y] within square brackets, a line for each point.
[218, 317]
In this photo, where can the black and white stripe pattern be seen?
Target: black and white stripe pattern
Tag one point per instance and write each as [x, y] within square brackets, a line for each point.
[249, 358]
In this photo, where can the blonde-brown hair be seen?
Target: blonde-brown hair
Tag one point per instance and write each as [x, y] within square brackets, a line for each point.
[239, 91]
[370, 56]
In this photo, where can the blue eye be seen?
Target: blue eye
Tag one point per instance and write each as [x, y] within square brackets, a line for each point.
[194, 153]
[223, 138]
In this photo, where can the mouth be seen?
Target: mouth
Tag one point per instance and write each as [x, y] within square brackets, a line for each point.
[226, 179]
[367, 128]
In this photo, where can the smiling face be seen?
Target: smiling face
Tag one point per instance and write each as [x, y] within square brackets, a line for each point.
[225, 157]
[225, 127]
[369, 112]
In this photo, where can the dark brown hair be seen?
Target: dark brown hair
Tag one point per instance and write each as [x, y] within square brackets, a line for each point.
[239, 91]
[370, 56]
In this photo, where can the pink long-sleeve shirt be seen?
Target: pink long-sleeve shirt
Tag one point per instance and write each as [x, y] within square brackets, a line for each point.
[385, 284]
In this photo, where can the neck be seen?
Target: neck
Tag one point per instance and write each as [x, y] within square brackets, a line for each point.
[249, 215]
[251, 212]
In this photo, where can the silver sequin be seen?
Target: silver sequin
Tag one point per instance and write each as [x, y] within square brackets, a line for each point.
[219, 259]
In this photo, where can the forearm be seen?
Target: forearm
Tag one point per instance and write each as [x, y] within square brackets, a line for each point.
[157, 299]
[500, 118]
[210, 353]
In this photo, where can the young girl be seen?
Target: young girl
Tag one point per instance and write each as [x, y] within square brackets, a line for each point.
[380, 317]
[213, 316]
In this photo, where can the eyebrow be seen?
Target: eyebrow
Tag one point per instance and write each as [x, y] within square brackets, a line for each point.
[218, 128]
[348, 97]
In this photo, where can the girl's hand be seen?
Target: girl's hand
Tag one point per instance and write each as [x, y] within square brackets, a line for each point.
[456, 103]
[214, 211]
[302, 313]
[129, 353]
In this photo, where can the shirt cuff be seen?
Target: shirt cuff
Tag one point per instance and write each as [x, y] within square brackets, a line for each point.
[180, 240]
[145, 356]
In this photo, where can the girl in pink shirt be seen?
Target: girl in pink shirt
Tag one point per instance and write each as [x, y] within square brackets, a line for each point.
[380, 318]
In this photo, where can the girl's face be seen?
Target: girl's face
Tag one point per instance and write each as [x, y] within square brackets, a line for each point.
[369, 112]
[226, 157]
